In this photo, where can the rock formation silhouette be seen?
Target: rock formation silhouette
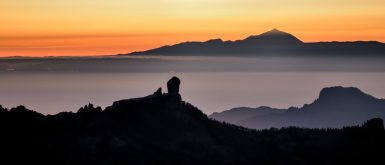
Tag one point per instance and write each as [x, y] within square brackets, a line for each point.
[173, 86]
[159, 129]
[158, 92]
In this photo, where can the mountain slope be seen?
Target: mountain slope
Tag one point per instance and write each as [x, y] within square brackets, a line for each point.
[237, 114]
[272, 38]
[272, 42]
[335, 107]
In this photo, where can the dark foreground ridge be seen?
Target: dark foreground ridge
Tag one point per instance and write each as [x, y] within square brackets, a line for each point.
[163, 129]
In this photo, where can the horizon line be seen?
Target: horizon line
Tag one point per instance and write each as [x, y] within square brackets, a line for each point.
[175, 43]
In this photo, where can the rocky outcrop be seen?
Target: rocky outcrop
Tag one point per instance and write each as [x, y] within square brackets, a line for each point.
[173, 86]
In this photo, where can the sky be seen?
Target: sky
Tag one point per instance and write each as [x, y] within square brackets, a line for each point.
[105, 27]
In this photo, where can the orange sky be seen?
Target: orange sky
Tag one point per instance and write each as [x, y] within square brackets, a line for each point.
[100, 27]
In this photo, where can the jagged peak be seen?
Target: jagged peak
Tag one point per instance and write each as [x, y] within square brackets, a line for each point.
[275, 31]
[274, 36]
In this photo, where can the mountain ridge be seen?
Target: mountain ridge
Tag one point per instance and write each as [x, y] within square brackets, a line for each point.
[335, 107]
[270, 42]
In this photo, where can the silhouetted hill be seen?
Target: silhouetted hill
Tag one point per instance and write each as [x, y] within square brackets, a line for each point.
[336, 107]
[237, 114]
[272, 38]
[271, 42]
[163, 129]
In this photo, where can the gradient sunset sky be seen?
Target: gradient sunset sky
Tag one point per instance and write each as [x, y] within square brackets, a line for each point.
[103, 27]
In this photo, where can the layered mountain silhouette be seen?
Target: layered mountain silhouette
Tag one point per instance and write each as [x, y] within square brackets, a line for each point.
[271, 42]
[335, 107]
[241, 113]
[163, 129]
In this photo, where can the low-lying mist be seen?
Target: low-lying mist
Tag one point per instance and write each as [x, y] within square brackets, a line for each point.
[51, 85]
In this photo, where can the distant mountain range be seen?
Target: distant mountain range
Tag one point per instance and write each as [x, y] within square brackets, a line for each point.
[271, 42]
[163, 129]
[335, 107]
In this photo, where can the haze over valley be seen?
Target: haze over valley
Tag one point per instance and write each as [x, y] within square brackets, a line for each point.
[211, 83]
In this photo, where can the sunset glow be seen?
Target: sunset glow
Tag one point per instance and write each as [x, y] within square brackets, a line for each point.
[99, 27]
